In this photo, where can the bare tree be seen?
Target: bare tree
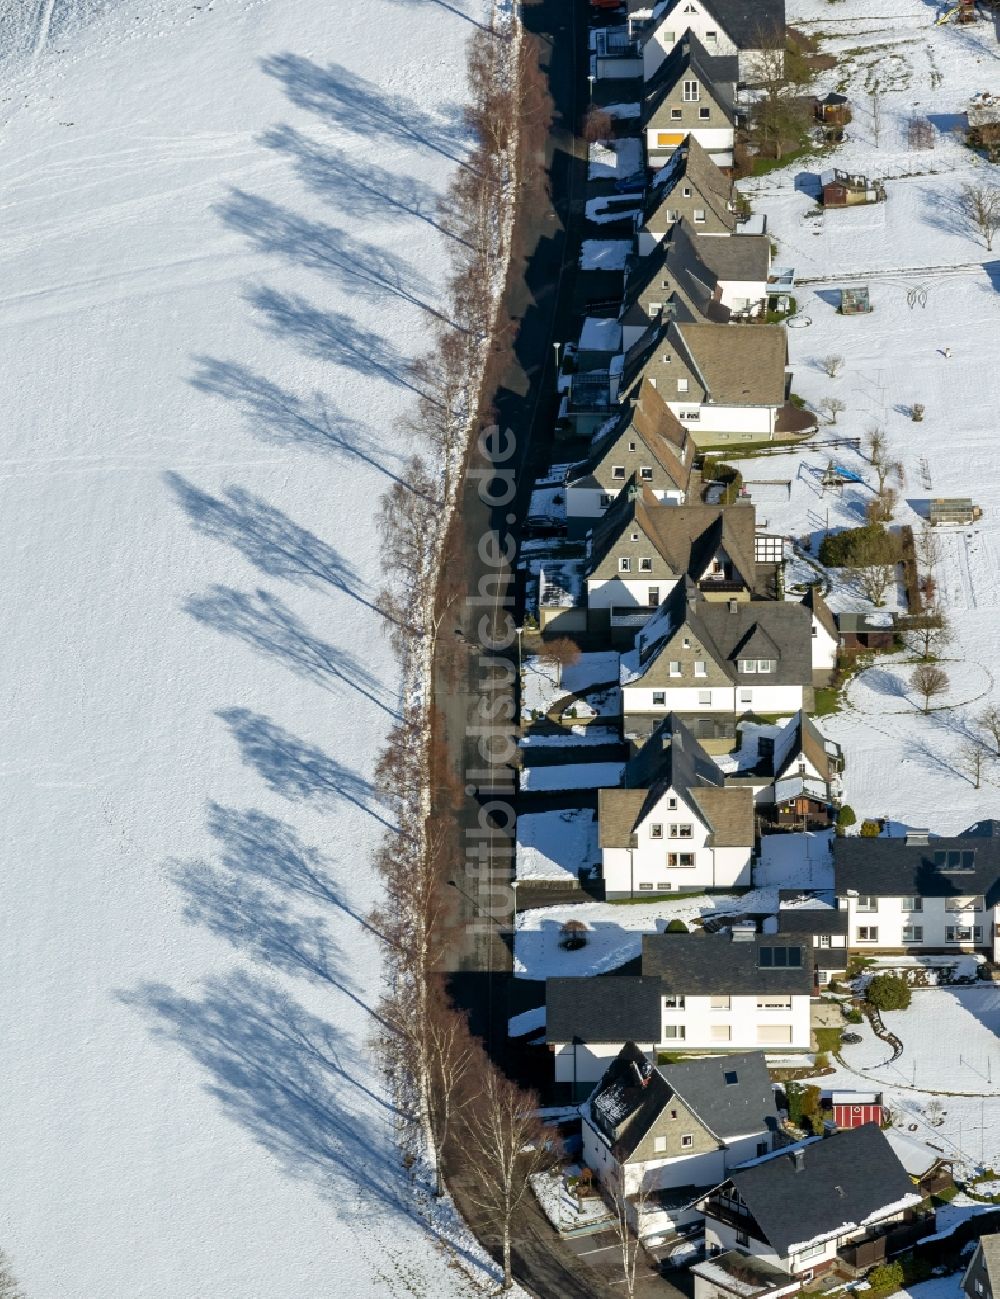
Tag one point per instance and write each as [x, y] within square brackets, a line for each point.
[882, 506]
[560, 653]
[832, 407]
[927, 633]
[929, 681]
[874, 581]
[876, 113]
[980, 207]
[628, 1238]
[971, 757]
[508, 1144]
[597, 125]
[928, 547]
[989, 722]
[452, 1054]
[874, 445]
[832, 364]
[874, 571]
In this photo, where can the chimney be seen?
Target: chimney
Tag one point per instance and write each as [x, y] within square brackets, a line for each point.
[798, 1160]
[917, 838]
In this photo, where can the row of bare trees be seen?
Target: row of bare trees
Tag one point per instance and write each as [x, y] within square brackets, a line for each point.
[450, 1094]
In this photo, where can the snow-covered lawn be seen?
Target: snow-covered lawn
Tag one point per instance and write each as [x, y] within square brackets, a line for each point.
[604, 254]
[217, 231]
[555, 845]
[543, 684]
[949, 1038]
[933, 285]
[572, 737]
[614, 930]
[573, 775]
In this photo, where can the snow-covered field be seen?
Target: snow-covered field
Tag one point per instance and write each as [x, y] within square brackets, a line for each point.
[218, 249]
[555, 845]
[934, 286]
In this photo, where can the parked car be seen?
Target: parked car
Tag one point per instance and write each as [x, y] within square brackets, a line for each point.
[636, 181]
[607, 4]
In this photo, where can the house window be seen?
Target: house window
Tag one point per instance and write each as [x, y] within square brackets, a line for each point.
[674, 1033]
[913, 933]
[741, 1236]
[680, 830]
[691, 92]
[811, 1251]
[720, 1033]
[775, 958]
[646, 888]
[659, 698]
[672, 802]
[675, 667]
[775, 1001]
[703, 115]
[748, 665]
[645, 565]
[659, 1145]
[656, 830]
[705, 698]
[720, 1003]
[682, 385]
[963, 934]
[866, 902]
[868, 934]
[631, 446]
[825, 940]
[617, 471]
[645, 473]
[687, 1142]
[964, 904]
[673, 1002]
[774, 1034]
[652, 596]
[746, 695]
[913, 904]
[624, 564]
[699, 216]
[691, 415]
[634, 536]
[680, 858]
[605, 500]
[711, 38]
[699, 668]
[675, 114]
[663, 886]
[761, 1150]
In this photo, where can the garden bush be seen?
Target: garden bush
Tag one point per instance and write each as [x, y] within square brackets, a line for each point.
[888, 992]
[677, 927]
[886, 1277]
[870, 829]
[872, 543]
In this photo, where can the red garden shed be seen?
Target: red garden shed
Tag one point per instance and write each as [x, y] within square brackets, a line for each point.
[852, 1109]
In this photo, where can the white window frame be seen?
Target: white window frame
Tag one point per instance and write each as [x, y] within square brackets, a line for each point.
[674, 667]
[656, 830]
[624, 564]
[868, 933]
[691, 91]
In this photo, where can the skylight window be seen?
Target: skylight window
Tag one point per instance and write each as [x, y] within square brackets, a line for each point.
[731, 1077]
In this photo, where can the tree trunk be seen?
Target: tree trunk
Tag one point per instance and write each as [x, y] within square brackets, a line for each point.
[508, 1275]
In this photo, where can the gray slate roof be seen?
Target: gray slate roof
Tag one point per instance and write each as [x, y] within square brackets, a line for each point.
[845, 1178]
[744, 20]
[628, 1100]
[611, 1008]
[891, 868]
[731, 1094]
[799, 921]
[718, 75]
[715, 964]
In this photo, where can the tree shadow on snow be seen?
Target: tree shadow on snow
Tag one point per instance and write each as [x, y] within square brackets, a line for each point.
[364, 189]
[349, 102]
[363, 270]
[295, 769]
[264, 622]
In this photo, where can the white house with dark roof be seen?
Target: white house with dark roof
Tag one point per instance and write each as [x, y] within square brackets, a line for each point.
[697, 992]
[838, 1204]
[691, 93]
[733, 27]
[675, 826]
[665, 1133]
[919, 894]
[825, 637]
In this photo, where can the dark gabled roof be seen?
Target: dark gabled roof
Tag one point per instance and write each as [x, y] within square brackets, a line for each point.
[628, 1100]
[746, 20]
[673, 273]
[812, 920]
[846, 1178]
[715, 964]
[741, 257]
[718, 75]
[661, 431]
[723, 626]
[731, 1094]
[691, 161]
[801, 735]
[891, 868]
[988, 829]
[611, 1008]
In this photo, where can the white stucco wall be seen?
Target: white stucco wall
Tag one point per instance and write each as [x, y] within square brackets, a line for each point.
[744, 1020]
[591, 1060]
[890, 918]
[585, 502]
[758, 420]
[683, 16]
[626, 592]
[717, 141]
[824, 647]
[724, 699]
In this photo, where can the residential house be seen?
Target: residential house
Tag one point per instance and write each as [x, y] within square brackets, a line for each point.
[690, 187]
[828, 1205]
[982, 1276]
[645, 439]
[641, 549]
[701, 658]
[694, 279]
[697, 992]
[691, 93]
[921, 895]
[725, 385]
[733, 27]
[825, 637]
[663, 1133]
[821, 924]
[859, 631]
[675, 826]
[804, 768]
